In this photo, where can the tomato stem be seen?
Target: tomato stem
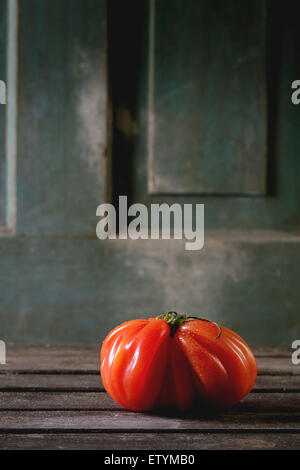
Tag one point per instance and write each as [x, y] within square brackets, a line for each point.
[175, 320]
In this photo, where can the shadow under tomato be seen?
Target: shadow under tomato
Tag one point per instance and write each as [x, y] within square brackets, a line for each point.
[197, 411]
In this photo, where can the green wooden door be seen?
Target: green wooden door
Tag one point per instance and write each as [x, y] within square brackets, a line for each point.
[163, 101]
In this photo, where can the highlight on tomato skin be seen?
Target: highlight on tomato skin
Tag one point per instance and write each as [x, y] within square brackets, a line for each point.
[176, 361]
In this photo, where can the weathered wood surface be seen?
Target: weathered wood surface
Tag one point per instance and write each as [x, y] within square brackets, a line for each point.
[150, 441]
[39, 382]
[42, 382]
[47, 358]
[54, 400]
[92, 383]
[86, 359]
[126, 421]
[51, 397]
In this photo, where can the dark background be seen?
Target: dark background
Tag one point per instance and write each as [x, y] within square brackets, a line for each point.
[163, 101]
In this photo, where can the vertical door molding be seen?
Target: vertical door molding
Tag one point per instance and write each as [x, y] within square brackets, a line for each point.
[8, 152]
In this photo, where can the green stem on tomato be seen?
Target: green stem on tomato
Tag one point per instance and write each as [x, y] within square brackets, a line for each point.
[174, 320]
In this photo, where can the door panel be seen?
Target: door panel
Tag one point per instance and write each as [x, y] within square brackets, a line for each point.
[278, 208]
[207, 97]
[61, 116]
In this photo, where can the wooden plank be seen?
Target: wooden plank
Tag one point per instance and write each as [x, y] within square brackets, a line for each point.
[199, 111]
[62, 115]
[104, 421]
[150, 441]
[85, 359]
[254, 402]
[53, 358]
[56, 401]
[92, 383]
[277, 366]
[275, 351]
[52, 382]
[277, 383]
[270, 402]
[70, 290]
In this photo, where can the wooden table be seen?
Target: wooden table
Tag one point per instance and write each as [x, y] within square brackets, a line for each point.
[51, 397]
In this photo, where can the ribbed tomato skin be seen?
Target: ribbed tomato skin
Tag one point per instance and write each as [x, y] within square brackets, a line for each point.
[144, 367]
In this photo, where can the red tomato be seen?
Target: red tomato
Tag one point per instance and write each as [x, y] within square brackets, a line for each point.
[173, 360]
